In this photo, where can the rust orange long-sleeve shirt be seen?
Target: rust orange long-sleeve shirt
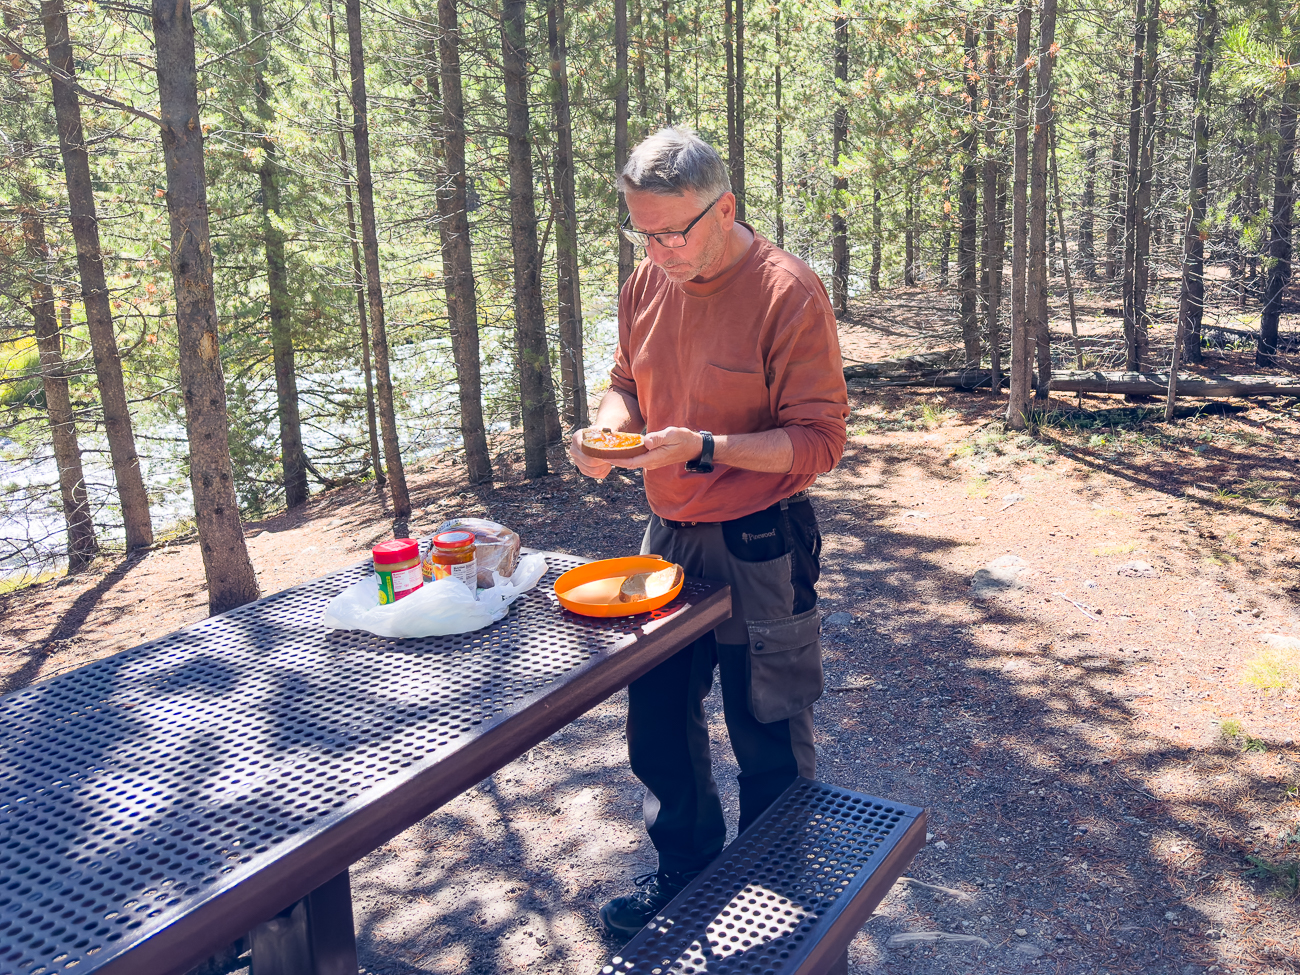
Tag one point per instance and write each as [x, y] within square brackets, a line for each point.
[752, 350]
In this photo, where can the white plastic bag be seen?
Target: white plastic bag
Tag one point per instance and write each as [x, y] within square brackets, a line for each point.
[437, 608]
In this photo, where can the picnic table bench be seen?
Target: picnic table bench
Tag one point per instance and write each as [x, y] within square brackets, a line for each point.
[789, 894]
[163, 802]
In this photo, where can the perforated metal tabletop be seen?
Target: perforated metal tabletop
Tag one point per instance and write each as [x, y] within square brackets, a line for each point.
[158, 804]
[789, 894]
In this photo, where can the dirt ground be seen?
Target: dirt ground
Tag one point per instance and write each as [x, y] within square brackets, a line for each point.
[1080, 651]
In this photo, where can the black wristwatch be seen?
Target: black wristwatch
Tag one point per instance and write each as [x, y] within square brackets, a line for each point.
[704, 463]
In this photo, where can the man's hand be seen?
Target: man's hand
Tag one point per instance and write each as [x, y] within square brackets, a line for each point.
[591, 466]
[671, 445]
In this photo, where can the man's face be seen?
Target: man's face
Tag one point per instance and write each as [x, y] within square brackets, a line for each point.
[705, 251]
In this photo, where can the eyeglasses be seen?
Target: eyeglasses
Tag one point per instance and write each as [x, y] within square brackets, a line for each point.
[668, 238]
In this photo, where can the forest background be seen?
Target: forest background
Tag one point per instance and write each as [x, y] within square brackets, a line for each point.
[252, 248]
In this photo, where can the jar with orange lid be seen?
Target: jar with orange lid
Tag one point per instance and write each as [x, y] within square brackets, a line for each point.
[451, 555]
[397, 569]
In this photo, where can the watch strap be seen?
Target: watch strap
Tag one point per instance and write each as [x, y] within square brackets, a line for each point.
[704, 463]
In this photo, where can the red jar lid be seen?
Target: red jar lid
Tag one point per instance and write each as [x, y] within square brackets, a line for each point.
[449, 541]
[398, 550]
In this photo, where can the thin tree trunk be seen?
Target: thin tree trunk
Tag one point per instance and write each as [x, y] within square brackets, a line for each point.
[1087, 216]
[94, 287]
[572, 374]
[454, 239]
[729, 58]
[736, 151]
[1132, 215]
[780, 139]
[358, 279]
[642, 101]
[82, 546]
[991, 278]
[626, 257]
[1191, 298]
[1065, 247]
[1021, 367]
[1037, 283]
[370, 252]
[1142, 249]
[876, 219]
[665, 14]
[945, 242]
[968, 206]
[1279, 248]
[230, 576]
[530, 316]
[909, 238]
[1115, 214]
[839, 225]
[293, 460]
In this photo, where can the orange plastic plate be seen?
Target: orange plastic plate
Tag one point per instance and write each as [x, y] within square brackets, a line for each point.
[609, 569]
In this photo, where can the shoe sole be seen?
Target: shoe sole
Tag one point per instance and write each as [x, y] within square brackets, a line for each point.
[616, 930]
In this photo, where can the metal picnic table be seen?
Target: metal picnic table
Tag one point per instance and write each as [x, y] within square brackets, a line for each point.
[161, 803]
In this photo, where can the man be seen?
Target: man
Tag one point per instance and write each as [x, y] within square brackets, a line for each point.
[728, 357]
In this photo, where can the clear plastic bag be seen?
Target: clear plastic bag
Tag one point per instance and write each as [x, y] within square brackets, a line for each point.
[437, 608]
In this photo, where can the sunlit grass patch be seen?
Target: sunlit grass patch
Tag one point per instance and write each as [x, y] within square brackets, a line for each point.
[1277, 668]
[21, 580]
[1118, 548]
[977, 487]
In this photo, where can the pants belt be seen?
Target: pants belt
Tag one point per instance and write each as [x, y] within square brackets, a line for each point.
[669, 523]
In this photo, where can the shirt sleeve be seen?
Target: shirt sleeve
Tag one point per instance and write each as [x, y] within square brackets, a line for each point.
[806, 381]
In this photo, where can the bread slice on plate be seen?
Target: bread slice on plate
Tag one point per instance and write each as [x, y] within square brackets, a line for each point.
[648, 585]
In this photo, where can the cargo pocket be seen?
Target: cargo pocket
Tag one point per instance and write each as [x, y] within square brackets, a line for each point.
[785, 665]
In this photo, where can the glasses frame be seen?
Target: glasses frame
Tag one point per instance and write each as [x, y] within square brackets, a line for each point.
[641, 237]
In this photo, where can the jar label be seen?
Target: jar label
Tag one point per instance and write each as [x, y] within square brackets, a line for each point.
[394, 585]
[466, 572]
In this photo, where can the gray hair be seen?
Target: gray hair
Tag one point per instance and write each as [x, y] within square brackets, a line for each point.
[674, 161]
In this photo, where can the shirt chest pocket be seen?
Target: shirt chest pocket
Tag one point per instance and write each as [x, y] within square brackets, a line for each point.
[729, 401]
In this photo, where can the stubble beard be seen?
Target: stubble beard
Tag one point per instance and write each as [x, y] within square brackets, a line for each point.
[712, 250]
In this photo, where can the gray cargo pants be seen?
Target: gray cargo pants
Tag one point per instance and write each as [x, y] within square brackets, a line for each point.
[768, 657]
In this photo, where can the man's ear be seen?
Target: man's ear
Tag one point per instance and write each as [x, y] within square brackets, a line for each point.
[726, 206]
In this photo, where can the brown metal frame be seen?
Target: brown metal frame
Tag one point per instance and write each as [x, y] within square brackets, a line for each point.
[314, 870]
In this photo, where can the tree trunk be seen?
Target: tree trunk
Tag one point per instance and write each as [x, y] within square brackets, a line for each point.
[1191, 298]
[358, 279]
[642, 100]
[1021, 367]
[572, 373]
[1142, 248]
[874, 283]
[82, 546]
[1087, 215]
[780, 139]
[945, 242]
[994, 240]
[230, 576]
[1037, 283]
[734, 27]
[909, 238]
[94, 287]
[664, 14]
[968, 205]
[1279, 248]
[530, 316]
[839, 225]
[1115, 214]
[370, 252]
[1132, 216]
[457, 248]
[292, 457]
[626, 257]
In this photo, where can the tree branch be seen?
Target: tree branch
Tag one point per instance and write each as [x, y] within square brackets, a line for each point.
[8, 42]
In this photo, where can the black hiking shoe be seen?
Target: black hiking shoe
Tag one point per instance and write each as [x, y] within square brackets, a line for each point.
[625, 916]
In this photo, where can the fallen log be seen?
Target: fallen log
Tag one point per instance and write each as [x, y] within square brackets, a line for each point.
[1190, 385]
[906, 365]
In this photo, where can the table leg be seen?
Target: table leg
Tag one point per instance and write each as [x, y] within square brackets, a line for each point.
[841, 965]
[313, 937]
